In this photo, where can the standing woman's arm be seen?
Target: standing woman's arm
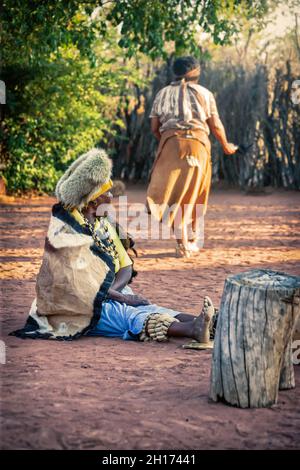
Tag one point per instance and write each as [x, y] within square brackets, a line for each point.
[155, 125]
[217, 128]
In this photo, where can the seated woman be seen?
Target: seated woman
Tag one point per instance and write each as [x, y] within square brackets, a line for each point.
[82, 286]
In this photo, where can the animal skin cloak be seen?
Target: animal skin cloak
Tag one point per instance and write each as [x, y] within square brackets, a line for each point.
[72, 282]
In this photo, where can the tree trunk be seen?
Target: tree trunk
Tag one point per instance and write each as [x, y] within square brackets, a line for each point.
[252, 357]
[2, 186]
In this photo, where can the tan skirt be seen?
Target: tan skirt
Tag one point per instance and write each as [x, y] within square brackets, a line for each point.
[179, 187]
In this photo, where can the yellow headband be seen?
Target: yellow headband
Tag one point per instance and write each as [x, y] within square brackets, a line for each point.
[105, 187]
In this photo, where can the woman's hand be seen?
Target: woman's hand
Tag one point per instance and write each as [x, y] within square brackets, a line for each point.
[134, 300]
[229, 148]
[217, 128]
[128, 299]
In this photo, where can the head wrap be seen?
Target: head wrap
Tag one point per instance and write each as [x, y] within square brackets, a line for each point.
[191, 73]
[86, 179]
[103, 189]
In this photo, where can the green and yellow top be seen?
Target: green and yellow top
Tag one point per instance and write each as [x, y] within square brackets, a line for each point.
[123, 260]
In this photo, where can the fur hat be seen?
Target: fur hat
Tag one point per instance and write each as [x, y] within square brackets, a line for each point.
[83, 178]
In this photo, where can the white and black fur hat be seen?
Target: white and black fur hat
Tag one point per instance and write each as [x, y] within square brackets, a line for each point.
[83, 178]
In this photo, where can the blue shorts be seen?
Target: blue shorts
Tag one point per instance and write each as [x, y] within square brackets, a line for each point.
[124, 321]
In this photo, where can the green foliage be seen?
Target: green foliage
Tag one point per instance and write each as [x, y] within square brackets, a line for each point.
[66, 65]
[66, 108]
[147, 26]
[31, 29]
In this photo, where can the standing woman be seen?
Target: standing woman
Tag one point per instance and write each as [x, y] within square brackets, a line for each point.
[182, 115]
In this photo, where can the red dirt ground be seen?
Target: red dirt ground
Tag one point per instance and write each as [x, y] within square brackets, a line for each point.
[99, 393]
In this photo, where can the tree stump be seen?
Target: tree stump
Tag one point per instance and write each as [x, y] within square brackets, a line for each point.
[252, 356]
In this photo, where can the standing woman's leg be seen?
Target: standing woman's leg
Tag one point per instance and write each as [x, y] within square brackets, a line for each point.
[200, 207]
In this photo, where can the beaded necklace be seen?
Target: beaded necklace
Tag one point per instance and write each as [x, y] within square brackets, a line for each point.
[100, 234]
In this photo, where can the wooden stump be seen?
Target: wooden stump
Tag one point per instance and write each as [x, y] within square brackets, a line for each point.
[252, 356]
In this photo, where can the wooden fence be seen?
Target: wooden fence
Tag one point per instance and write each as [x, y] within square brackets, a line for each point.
[255, 107]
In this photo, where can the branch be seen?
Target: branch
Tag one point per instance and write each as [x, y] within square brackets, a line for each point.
[296, 34]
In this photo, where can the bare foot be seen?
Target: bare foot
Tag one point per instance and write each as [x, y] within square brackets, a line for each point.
[201, 325]
[193, 247]
[182, 251]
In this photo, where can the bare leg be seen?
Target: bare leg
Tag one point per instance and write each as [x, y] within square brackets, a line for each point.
[182, 329]
[198, 328]
[202, 323]
[180, 233]
[185, 317]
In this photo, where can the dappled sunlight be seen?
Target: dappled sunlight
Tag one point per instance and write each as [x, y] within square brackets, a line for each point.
[19, 270]
[155, 260]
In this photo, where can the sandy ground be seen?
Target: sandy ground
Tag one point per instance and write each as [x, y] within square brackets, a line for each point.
[99, 393]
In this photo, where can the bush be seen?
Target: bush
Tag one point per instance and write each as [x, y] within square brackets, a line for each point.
[66, 107]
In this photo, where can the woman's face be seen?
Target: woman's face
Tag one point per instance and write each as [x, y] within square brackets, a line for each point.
[94, 207]
[103, 199]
